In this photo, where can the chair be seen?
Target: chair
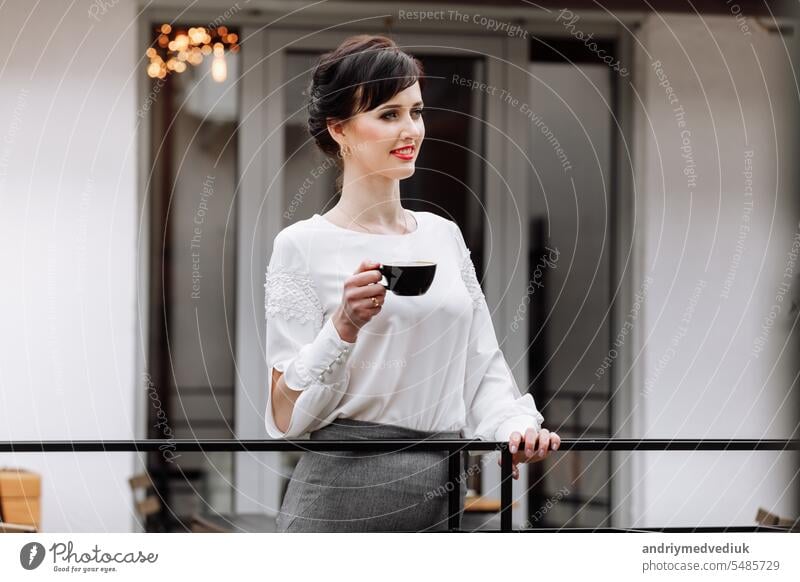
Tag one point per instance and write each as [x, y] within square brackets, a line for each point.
[20, 504]
[16, 528]
[145, 502]
[6, 527]
[764, 517]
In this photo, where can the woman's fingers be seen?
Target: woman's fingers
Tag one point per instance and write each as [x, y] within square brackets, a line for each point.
[366, 266]
[536, 447]
[365, 285]
[370, 297]
[544, 442]
[514, 468]
[530, 442]
[513, 447]
[362, 296]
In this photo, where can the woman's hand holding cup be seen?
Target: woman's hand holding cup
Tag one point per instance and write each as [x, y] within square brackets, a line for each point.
[362, 299]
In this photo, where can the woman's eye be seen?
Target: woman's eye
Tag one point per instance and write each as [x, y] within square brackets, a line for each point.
[418, 112]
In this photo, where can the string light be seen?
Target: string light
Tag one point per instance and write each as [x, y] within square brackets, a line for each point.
[219, 69]
[175, 48]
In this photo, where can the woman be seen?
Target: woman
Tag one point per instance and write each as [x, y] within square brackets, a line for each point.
[348, 360]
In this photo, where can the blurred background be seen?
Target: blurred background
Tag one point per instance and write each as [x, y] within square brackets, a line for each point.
[624, 173]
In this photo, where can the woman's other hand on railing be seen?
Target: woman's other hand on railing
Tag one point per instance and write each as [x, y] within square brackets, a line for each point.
[536, 448]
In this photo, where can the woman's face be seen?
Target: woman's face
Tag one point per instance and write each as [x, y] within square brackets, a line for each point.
[372, 137]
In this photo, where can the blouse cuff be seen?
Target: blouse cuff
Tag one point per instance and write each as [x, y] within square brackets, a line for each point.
[519, 424]
[322, 362]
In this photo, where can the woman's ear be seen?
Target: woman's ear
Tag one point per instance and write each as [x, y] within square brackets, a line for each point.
[337, 130]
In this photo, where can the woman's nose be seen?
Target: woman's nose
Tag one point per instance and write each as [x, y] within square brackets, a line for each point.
[410, 130]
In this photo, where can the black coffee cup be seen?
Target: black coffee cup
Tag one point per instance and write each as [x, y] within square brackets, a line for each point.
[408, 277]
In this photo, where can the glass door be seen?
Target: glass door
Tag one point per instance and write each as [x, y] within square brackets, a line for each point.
[189, 382]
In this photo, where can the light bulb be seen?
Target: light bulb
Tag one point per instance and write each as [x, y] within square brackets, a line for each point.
[182, 42]
[219, 69]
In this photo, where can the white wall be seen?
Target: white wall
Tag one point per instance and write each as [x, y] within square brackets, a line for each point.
[698, 374]
[68, 227]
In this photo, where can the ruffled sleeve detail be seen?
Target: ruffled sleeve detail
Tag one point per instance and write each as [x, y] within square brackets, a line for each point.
[291, 295]
[471, 280]
[468, 274]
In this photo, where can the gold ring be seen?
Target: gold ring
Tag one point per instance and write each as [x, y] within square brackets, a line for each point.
[375, 302]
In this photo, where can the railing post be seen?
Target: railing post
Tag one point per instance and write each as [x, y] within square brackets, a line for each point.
[454, 495]
[506, 491]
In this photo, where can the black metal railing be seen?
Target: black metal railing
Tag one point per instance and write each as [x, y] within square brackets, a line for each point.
[453, 447]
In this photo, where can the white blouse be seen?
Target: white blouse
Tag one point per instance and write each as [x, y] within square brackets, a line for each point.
[430, 362]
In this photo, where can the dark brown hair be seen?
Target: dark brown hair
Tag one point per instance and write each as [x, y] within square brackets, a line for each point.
[359, 75]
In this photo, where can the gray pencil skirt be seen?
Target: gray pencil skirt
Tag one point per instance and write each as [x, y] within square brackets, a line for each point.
[341, 491]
